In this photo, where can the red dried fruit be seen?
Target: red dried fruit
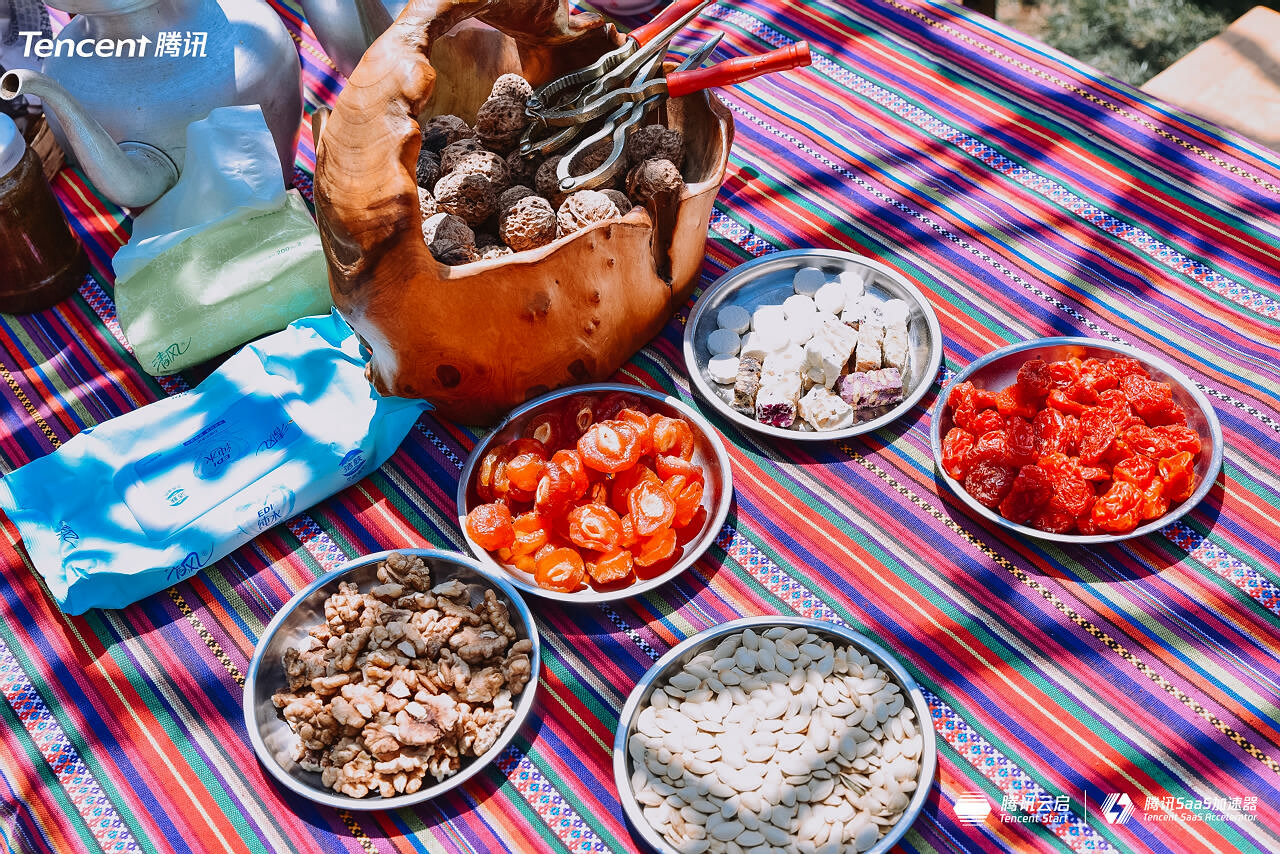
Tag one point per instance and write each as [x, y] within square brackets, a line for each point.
[560, 569]
[651, 508]
[955, 452]
[1016, 401]
[988, 483]
[671, 436]
[1022, 441]
[1062, 402]
[548, 429]
[1033, 377]
[1139, 470]
[1146, 441]
[1179, 476]
[1119, 509]
[1030, 490]
[1180, 438]
[991, 447]
[986, 421]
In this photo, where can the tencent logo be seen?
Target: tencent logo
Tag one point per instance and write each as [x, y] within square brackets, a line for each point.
[972, 808]
[1117, 808]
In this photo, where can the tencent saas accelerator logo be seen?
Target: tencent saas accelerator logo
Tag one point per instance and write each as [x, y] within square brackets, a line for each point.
[1117, 808]
[972, 808]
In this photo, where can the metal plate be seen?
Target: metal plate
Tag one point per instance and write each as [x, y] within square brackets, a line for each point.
[708, 452]
[689, 649]
[274, 741]
[1000, 369]
[767, 281]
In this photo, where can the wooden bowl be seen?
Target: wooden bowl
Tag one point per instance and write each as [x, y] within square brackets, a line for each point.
[479, 339]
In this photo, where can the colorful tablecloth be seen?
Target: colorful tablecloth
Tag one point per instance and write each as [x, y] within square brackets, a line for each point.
[1083, 698]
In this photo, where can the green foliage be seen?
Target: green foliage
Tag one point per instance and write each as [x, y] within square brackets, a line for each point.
[1136, 39]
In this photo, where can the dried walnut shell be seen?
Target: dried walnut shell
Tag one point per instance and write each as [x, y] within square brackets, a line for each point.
[441, 131]
[452, 153]
[500, 122]
[446, 226]
[511, 195]
[651, 178]
[529, 223]
[655, 142]
[511, 86]
[428, 168]
[486, 164]
[584, 208]
[474, 198]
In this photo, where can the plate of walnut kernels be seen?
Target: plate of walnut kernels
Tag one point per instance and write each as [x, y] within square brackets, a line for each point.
[391, 680]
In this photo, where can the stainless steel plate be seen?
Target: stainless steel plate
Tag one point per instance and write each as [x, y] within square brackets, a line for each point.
[689, 649]
[708, 452]
[1000, 369]
[274, 741]
[767, 281]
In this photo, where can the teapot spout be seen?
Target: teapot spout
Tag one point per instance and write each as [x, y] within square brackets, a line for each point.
[131, 174]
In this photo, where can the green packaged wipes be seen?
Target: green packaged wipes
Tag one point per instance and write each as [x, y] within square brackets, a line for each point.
[224, 286]
[223, 257]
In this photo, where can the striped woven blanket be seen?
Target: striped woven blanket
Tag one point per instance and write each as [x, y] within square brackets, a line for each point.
[1092, 699]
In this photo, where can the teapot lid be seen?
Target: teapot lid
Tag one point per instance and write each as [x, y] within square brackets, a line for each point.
[12, 145]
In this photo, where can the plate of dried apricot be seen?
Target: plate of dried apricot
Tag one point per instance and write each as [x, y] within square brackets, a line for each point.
[594, 493]
[1076, 440]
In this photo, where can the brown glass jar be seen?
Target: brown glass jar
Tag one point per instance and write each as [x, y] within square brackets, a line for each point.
[41, 263]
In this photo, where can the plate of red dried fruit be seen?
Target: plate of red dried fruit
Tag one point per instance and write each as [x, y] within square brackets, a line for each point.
[596, 492]
[1076, 440]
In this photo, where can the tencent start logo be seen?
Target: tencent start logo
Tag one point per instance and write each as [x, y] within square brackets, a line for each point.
[972, 808]
[1117, 808]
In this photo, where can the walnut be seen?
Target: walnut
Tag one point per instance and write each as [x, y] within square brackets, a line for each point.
[508, 197]
[521, 169]
[546, 182]
[452, 253]
[343, 608]
[347, 648]
[517, 670]
[326, 685]
[428, 168]
[528, 224]
[511, 86]
[474, 198]
[418, 724]
[463, 612]
[379, 737]
[582, 209]
[486, 164]
[475, 645]
[441, 131]
[485, 685]
[303, 666]
[500, 122]
[409, 570]
[497, 250]
[446, 226]
[620, 199]
[452, 589]
[389, 592]
[496, 613]
[427, 206]
[652, 178]
[435, 631]
[416, 601]
[452, 154]
[654, 142]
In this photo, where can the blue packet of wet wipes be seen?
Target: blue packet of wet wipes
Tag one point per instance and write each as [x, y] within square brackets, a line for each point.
[140, 502]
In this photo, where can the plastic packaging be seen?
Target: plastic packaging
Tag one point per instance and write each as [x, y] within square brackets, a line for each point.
[224, 256]
[140, 502]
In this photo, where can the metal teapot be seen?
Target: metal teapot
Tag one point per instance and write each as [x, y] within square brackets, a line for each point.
[123, 117]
